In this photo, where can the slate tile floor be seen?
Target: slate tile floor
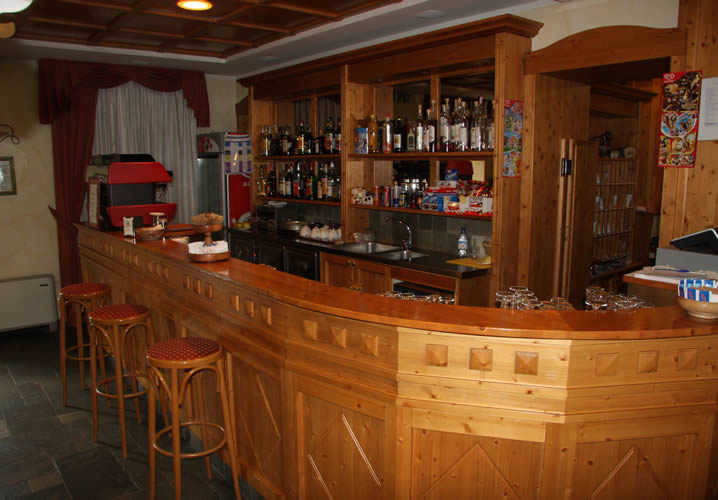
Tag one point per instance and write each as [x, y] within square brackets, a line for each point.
[47, 451]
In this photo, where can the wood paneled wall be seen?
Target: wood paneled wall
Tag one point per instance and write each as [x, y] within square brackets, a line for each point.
[690, 196]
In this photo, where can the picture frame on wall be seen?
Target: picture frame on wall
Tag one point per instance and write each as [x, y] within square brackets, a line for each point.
[8, 185]
[93, 203]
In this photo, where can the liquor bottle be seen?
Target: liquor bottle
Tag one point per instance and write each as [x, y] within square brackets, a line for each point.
[337, 182]
[319, 143]
[463, 243]
[265, 143]
[324, 181]
[329, 136]
[299, 139]
[462, 130]
[373, 133]
[310, 183]
[430, 129]
[320, 186]
[387, 143]
[276, 146]
[399, 136]
[477, 127]
[444, 123]
[297, 182]
[395, 194]
[308, 140]
[271, 188]
[280, 181]
[261, 182]
[419, 138]
[411, 137]
[338, 137]
[286, 141]
[330, 182]
[289, 182]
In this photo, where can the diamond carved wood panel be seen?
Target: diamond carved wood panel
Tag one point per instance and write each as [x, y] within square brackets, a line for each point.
[606, 363]
[647, 361]
[343, 452]
[481, 359]
[687, 359]
[654, 468]
[469, 467]
[258, 420]
[437, 355]
[526, 363]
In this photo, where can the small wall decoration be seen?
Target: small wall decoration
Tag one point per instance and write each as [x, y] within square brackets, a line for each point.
[93, 203]
[513, 126]
[7, 175]
[679, 119]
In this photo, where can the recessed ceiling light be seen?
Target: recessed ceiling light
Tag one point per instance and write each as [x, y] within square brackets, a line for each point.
[430, 14]
[194, 4]
[14, 5]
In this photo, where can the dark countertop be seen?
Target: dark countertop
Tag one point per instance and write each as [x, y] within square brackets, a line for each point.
[433, 262]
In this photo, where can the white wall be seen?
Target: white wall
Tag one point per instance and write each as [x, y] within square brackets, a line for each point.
[29, 233]
[564, 19]
[222, 92]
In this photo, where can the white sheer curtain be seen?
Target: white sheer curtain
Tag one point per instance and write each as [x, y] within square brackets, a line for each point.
[134, 119]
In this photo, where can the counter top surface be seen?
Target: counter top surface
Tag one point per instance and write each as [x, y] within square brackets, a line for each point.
[432, 262]
[662, 322]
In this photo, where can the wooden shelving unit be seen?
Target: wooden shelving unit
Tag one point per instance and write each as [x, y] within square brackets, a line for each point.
[466, 155]
[299, 200]
[422, 212]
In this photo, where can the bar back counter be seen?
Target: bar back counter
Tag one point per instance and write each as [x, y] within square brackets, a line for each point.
[347, 395]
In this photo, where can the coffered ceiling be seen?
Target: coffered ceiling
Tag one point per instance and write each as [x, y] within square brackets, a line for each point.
[234, 37]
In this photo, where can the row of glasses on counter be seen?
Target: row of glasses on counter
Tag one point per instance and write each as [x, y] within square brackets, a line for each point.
[521, 298]
[280, 140]
[597, 298]
[433, 298]
[457, 129]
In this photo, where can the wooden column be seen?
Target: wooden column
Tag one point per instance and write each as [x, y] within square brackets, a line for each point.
[689, 194]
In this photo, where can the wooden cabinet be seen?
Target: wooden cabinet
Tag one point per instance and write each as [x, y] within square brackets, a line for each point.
[357, 274]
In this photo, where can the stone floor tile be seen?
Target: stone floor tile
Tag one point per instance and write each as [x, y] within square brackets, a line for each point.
[4, 429]
[45, 482]
[58, 492]
[94, 474]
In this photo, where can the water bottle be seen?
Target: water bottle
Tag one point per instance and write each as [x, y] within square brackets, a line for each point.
[463, 243]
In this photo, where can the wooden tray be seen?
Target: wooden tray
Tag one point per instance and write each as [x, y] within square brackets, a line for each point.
[208, 257]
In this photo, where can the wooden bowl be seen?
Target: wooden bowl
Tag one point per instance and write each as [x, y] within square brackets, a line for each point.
[149, 233]
[698, 309]
[208, 257]
[208, 228]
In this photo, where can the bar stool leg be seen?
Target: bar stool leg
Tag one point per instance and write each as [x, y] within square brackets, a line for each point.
[63, 346]
[94, 335]
[80, 350]
[202, 403]
[116, 339]
[132, 370]
[151, 409]
[228, 428]
[176, 451]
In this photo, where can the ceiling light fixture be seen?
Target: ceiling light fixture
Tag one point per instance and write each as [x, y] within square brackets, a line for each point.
[14, 5]
[194, 4]
[430, 14]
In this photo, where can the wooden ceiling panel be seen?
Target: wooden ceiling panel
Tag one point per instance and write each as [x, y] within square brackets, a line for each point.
[161, 26]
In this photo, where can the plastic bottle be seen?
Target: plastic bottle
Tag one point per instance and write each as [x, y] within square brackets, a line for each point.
[463, 243]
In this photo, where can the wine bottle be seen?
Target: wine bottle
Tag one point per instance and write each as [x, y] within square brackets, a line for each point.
[419, 138]
[387, 144]
[444, 124]
[430, 129]
[373, 133]
[399, 136]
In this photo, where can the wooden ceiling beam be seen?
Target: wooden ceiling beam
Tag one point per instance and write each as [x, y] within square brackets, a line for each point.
[100, 5]
[224, 41]
[65, 22]
[259, 26]
[300, 8]
[158, 34]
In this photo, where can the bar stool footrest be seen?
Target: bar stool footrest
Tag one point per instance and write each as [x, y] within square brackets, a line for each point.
[114, 395]
[105, 353]
[196, 454]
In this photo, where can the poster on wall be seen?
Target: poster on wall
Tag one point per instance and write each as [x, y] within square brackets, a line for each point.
[679, 119]
[513, 126]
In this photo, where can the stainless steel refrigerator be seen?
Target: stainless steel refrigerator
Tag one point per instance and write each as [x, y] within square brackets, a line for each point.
[224, 168]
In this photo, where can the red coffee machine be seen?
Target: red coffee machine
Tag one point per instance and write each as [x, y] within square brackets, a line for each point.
[131, 188]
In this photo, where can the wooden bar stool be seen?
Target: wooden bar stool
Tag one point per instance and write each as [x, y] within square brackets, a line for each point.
[83, 298]
[117, 325]
[189, 355]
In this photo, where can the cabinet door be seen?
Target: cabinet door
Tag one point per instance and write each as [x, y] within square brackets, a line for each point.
[372, 277]
[240, 247]
[302, 263]
[270, 255]
[337, 270]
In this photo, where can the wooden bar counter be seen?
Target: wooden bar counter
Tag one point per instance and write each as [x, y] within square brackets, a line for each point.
[347, 395]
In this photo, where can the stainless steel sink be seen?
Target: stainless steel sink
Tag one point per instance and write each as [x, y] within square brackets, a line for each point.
[367, 247]
[401, 255]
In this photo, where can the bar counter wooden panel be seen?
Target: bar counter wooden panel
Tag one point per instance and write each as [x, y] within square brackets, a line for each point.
[343, 394]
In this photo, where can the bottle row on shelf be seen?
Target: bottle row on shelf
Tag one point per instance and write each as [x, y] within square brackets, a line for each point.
[304, 180]
[448, 196]
[279, 140]
[457, 129]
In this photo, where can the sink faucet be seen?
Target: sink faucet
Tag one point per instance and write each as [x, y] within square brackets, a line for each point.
[407, 242]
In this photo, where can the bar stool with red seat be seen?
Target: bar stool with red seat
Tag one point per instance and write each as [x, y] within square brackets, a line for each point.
[117, 326]
[185, 358]
[83, 298]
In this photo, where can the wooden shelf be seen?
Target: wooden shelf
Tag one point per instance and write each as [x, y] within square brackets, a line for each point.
[299, 200]
[422, 212]
[298, 157]
[422, 156]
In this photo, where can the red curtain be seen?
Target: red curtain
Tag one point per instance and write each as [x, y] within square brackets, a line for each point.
[68, 99]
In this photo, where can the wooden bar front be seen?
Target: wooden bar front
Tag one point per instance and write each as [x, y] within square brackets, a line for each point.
[346, 395]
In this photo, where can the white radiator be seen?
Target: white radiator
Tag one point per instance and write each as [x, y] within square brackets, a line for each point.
[28, 301]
